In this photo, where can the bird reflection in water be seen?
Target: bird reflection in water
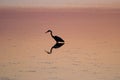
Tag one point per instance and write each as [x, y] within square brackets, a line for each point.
[59, 42]
[57, 45]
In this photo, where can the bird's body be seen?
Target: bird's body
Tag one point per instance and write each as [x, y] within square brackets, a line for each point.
[57, 45]
[56, 38]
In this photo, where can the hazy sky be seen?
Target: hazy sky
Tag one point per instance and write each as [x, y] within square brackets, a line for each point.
[60, 3]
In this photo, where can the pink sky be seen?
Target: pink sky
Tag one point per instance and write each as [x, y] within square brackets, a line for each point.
[60, 3]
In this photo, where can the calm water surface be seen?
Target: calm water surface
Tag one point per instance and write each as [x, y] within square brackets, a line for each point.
[91, 50]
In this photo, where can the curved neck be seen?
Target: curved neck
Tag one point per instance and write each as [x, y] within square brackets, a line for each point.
[51, 34]
[49, 52]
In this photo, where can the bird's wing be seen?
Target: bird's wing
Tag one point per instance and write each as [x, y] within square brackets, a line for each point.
[59, 38]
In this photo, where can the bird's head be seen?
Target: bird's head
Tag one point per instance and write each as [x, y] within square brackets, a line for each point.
[48, 31]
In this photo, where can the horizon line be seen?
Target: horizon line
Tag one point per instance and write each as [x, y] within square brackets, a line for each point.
[63, 7]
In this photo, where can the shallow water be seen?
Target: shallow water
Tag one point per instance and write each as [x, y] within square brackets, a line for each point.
[91, 50]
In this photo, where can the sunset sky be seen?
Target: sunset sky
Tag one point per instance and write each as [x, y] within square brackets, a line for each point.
[60, 3]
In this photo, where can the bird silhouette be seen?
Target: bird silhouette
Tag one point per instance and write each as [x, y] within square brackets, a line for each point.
[56, 38]
[57, 45]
